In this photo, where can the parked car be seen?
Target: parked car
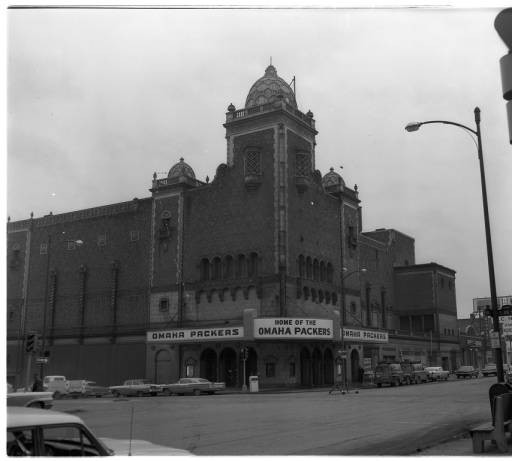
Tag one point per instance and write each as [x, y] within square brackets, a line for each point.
[85, 388]
[195, 386]
[419, 373]
[490, 370]
[30, 399]
[437, 373]
[59, 385]
[389, 373]
[466, 371]
[136, 387]
[35, 432]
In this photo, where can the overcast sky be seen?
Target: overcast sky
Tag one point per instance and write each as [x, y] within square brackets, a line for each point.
[100, 99]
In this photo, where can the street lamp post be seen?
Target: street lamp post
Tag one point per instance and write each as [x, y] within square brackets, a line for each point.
[490, 262]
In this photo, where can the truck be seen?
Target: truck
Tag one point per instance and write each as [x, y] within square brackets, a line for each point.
[389, 373]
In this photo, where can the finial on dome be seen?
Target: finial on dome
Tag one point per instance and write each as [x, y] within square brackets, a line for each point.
[270, 71]
[231, 108]
[154, 176]
[309, 114]
[355, 187]
[31, 214]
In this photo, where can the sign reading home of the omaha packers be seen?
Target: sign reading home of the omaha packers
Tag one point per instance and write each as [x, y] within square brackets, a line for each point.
[284, 328]
[195, 334]
[365, 335]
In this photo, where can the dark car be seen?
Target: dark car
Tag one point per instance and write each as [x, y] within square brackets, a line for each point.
[389, 373]
[466, 371]
[490, 370]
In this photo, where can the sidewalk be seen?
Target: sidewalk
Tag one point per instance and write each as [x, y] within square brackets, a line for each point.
[462, 446]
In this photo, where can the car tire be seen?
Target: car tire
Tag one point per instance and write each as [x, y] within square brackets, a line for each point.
[166, 392]
[57, 395]
[379, 384]
[116, 394]
[139, 394]
[197, 392]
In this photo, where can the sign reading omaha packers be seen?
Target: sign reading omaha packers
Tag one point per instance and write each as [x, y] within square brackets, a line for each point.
[196, 334]
[293, 328]
[370, 336]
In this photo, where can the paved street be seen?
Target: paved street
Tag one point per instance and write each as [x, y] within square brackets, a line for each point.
[386, 421]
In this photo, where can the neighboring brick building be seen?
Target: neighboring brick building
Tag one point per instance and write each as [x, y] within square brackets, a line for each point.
[256, 264]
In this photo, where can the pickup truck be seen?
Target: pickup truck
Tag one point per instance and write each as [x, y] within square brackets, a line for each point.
[194, 386]
[136, 387]
[84, 388]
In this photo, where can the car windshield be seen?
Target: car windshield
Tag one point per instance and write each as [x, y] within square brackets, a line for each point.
[466, 368]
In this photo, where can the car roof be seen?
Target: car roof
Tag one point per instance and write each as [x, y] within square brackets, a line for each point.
[22, 416]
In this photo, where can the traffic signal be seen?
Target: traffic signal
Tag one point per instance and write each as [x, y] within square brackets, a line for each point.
[31, 343]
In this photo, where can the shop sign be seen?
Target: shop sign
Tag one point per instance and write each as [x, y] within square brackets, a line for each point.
[370, 336]
[292, 328]
[195, 334]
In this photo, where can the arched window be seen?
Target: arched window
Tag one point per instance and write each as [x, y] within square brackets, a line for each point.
[313, 294]
[330, 272]
[327, 297]
[302, 266]
[205, 269]
[306, 292]
[216, 272]
[320, 296]
[228, 267]
[334, 298]
[322, 272]
[316, 270]
[309, 268]
[252, 270]
[241, 266]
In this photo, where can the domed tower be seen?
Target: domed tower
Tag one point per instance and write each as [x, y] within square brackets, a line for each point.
[271, 146]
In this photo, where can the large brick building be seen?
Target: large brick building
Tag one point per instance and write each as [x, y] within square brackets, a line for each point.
[266, 262]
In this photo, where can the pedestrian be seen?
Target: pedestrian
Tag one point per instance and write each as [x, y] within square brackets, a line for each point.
[38, 384]
[361, 374]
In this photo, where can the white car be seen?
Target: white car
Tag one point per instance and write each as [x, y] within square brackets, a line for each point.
[136, 387]
[30, 399]
[437, 373]
[33, 432]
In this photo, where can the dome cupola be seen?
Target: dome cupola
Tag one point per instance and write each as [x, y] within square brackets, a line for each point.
[332, 181]
[270, 88]
[181, 169]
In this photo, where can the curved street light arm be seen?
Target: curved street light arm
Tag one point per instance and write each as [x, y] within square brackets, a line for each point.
[446, 122]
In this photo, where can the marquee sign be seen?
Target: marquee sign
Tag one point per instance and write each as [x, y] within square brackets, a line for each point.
[195, 334]
[292, 328]
[369, 336]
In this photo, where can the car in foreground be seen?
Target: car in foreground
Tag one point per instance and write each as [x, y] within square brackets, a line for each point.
[437, 373]
[389, 373]
[490, 370]
[34, 432]
[466, 371]
[136, 387]
[30, 399]
[194, 386]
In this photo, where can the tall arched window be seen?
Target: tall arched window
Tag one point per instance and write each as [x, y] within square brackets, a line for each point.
[228, 267]
[302, 266]
[309, 268]
[252, 270]
[241, 266]
[322, 272]
[316, 270]
[216, 272]
[205, 269]
[330, 273]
